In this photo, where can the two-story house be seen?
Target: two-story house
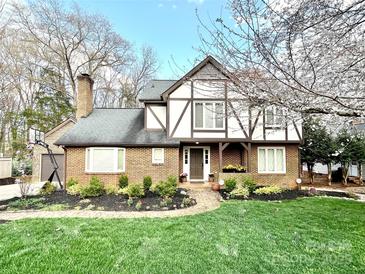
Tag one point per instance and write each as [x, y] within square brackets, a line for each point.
[196, 125]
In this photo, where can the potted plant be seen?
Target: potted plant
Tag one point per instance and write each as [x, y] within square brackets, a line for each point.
[211, 177]
[229, 168]
[183, 177]
[241, 169]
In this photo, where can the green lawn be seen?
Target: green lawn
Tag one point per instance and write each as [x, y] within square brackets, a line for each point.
[312, 235]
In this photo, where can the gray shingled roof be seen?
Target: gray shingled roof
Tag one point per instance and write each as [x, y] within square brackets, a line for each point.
[114, 127]
[154, 89]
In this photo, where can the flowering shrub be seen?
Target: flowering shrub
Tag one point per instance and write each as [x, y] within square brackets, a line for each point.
[267, 190]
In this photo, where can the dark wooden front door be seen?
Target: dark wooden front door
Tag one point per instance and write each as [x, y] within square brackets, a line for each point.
[196, 164]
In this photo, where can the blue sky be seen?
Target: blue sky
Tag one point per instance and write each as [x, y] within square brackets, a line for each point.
[169, 26]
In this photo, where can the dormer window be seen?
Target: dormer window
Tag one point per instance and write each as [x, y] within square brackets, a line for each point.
[274, 116]
[208, 115]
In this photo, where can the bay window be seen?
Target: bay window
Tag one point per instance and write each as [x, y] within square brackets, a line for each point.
[271, 160]
[108, 160]
[208, 115]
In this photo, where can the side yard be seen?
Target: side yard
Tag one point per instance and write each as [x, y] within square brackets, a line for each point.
[311, 235]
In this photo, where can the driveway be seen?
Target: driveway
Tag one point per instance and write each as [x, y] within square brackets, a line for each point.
[10, 191]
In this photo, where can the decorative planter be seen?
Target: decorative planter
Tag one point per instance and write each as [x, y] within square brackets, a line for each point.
[183, 179]
[216, 186]
[225, 170]
[211, 178]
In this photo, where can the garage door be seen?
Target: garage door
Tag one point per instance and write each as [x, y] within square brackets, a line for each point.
[47, 167]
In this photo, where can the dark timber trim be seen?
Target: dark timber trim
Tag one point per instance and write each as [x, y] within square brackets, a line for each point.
[255, 123]
[225, 108]
[264, 123]
[297, 130]
[180, 118]
[192, 118]
[154, 115]
[238, 120]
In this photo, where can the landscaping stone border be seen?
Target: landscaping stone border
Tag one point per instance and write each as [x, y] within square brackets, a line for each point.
[207, 200]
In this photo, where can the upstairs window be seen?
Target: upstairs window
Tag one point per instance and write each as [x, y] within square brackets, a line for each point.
[209, 115]
[274, 117]
[105, 160]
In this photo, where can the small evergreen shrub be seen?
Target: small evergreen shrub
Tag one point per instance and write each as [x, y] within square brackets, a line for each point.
[166, 201]
[73, 190]
[165, 189]
[147, 182]
[123, 181]
[48, 188]
[130, 202]
[139, 205]
[95, 188]
[71, 183]
[111, 190]
[172, 180]
[187, 201]
[230, 184]
[240, 191]
[249, 183]
[135, 190]
[267, 190]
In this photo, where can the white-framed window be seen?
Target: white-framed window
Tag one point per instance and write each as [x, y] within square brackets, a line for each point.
[105, 159]
[274, 116]
[158, 155]
[271, 160]
[208, 115]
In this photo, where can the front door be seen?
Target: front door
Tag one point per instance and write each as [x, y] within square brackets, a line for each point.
[196, 164]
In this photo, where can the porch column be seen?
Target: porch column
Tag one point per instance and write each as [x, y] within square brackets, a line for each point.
[249, 154]
[249, 157]
[220, 156]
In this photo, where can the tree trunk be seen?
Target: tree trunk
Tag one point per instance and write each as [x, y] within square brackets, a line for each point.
[345, 173]
[359, 172]
[310, 172]
[329, 171]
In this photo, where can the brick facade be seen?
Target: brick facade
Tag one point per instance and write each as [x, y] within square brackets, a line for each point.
[138, 164]
[236, 154]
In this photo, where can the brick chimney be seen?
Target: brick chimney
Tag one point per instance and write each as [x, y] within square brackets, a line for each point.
[84, 96]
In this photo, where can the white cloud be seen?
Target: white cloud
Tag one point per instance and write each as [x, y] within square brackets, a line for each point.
[174, 6]
[160, 5]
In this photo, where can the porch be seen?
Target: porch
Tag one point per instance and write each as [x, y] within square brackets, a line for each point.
[201, 161]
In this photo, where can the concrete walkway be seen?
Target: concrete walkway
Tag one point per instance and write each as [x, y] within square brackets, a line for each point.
[207, 200]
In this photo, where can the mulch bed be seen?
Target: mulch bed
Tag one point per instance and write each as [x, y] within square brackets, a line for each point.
[150, 202]
[7, 181]
[286, 195]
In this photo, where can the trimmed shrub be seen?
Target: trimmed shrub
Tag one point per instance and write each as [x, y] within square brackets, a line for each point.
[187, 201]
[166, 201]
[240, 191]
[267, 190]
[95, 188]
[110, 190]
[249, 183]
[73, 190]
[139, 205]
[165, 189]
[172, 180]
[48, 188]
[71, 183]
[123, 181]
[230, 184]
[135, 190]
[147, 182]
